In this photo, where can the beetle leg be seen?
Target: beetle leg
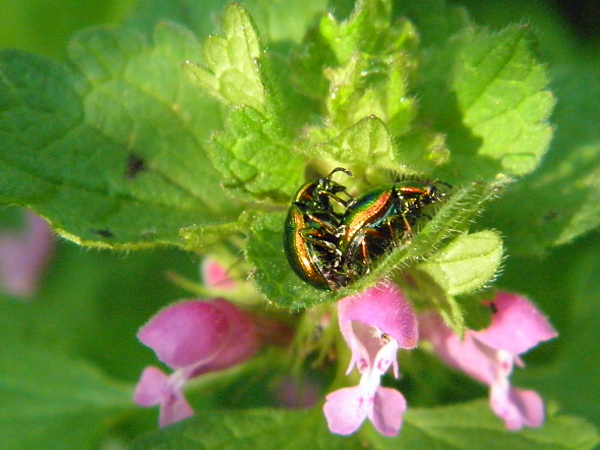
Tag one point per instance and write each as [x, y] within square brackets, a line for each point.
[327, 226]
[365, 251]
[316, 237]
[407, 226]
[333, 196]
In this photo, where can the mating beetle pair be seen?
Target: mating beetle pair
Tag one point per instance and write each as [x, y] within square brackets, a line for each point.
[331, 241]
[312, 232]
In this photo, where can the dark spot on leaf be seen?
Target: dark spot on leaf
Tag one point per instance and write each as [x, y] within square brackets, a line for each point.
[550, 216]
[105, 233]
[135, 164]
[493, 307]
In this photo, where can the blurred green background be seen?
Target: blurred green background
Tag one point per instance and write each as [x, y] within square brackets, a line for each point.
[96, 285]
[45, 27]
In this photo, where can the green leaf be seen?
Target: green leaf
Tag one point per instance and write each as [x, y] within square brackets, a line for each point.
[429, 295]
[561, 200]
[367, 140]
[422, 150]
[488, 93]
[345, 93]
[501, 91]
[367, 61]
[558, 202]
[364, 31]
[367, 85]
[249, 429]
[47, 399]
[254, 153]
[308, 62]
[468, 426]
[255, 159]
[93, 150]
[472, 426]
[401, 107]
[467, 263]
[202, 238]
[232, 73]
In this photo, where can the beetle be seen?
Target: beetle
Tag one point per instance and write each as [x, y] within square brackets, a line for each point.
[417, 194]
[382, 219]
[312, 231]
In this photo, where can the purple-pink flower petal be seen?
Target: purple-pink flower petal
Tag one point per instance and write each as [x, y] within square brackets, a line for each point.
[373, 324]
[243, 342]
[150, 389]
[464, 355]
[174, 409]
[517, 325]
[518, 408]
[215, 275]
[490, 355]
[193, 332]
[193, 337]
[156, 388]
[346, 409]
[388, 407]
[24, 255]
[383, 307]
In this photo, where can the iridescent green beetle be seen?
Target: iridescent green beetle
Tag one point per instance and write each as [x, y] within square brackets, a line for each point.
[382, 219]
[312, 232]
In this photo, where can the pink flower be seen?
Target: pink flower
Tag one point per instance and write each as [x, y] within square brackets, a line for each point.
[24, 255]
[215, 275]
[374, 324]
[489, 355]
[192, 337]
